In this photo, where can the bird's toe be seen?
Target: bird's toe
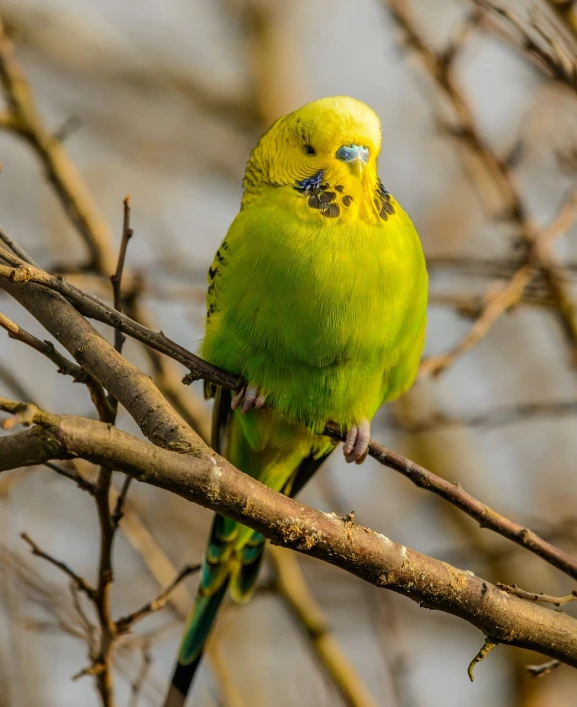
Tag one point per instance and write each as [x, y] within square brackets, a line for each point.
[247, 398]
[357, 441]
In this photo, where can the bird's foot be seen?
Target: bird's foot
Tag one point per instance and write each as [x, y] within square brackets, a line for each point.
[356, 445]
[248, 397]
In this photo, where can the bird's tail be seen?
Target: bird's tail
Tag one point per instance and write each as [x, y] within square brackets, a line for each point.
[231, 562]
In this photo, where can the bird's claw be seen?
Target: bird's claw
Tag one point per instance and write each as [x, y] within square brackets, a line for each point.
[356, 445]
[247, 398]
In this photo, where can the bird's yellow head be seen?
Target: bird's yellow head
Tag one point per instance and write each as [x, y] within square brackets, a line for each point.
[327, 151]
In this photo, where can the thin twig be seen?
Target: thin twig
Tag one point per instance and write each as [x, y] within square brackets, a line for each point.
[538, 671]
[119, 339]
[531, 596]
[138, 682]
[89, 627]
[498, 417]
[20, 252]
[81, 583]
[61, 172]
[496, 305]
[481, 655]
[116, 278]
[125, 624]
[537, 40]
[46, 348]
[104, 676]
[78, 479]
[539, 259]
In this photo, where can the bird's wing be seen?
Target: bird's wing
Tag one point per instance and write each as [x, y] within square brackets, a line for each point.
[213, 277]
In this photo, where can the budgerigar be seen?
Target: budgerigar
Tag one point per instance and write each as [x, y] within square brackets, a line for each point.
[317, 298]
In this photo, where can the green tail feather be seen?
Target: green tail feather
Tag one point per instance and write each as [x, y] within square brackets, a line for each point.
[243, 583]
[224, 567]
[199, 625]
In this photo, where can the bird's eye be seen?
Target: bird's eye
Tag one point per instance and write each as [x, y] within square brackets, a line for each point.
[310, 150]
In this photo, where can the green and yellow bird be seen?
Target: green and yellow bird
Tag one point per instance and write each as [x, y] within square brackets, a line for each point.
[317, 298]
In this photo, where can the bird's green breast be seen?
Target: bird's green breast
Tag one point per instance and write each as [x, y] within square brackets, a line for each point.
[325, 315]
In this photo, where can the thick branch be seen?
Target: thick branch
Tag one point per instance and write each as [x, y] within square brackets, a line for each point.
[207, 479]
[134, 390]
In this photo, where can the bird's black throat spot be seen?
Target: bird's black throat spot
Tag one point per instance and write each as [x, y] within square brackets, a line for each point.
[383, 202]
[319, 195]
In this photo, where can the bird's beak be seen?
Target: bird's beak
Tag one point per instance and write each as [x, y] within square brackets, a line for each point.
[356, 156]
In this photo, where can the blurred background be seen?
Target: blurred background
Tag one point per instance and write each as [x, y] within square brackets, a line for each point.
[163, 100]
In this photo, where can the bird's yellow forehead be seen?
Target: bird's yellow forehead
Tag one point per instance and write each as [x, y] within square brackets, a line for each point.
[337, 120]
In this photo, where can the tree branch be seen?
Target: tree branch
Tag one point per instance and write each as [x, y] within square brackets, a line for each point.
[205, 478]
[46, 348]
[125, 624]
[63, 567]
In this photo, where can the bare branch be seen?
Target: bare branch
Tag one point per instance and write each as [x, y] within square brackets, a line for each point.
[116, 278]
[20, 252]
[77, 579]
[209, 480]
[60, 170]
[496, 305]
[531, 596]
[495, 183]
[46, 348]
[136, 686]
[73, 475]
[539, 40]
[125, 624]
[481, 655]
[538, 671]
[505, 415]
[457, 496]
